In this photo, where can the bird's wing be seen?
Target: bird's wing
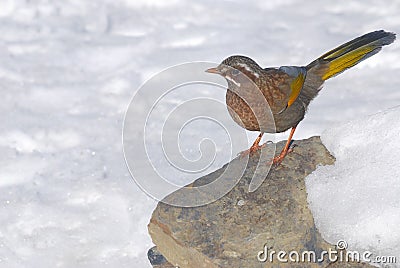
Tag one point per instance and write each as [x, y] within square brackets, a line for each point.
[297, 76]
[290, 81]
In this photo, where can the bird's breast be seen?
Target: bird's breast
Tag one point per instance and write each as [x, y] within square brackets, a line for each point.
[254, 114]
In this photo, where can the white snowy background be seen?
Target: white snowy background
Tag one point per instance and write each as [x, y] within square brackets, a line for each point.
[68, 70]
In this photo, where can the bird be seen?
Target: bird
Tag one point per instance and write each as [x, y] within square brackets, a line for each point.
[273, 100]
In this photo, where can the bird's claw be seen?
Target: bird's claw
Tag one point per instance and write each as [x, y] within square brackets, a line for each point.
[277, 160]
[252, 150]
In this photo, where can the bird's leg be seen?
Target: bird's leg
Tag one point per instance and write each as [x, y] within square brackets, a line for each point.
[278, 159]
[254, 148]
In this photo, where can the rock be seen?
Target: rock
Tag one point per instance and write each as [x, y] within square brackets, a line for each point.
[165, 264]
[157, 259]
[234, 229]
[348, 265]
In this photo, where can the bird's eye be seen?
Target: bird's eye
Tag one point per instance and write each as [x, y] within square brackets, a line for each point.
[235, 72]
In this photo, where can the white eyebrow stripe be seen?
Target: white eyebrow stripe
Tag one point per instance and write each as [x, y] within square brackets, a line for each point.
[232, 80]
[247, 68]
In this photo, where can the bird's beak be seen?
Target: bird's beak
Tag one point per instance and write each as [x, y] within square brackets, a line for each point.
[213, 71]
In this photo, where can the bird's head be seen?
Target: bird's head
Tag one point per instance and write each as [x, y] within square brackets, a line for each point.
[237, 69]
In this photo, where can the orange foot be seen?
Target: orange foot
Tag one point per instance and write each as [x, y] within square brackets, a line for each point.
[277, 160]
[253, 149]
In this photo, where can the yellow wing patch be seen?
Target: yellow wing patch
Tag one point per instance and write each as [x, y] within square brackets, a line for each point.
[296, 86]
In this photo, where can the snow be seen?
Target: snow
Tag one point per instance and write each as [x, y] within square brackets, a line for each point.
[357, 198]
[68, 70]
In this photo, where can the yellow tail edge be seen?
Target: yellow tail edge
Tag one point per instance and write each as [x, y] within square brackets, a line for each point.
[353, 52]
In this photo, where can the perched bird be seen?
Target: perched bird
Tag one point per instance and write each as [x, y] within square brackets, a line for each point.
[288, 90]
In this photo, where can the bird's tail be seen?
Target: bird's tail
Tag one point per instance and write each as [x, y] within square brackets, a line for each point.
[349, 54]
[341, 58]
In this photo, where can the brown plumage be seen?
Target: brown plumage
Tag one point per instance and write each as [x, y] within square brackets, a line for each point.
[272, 100]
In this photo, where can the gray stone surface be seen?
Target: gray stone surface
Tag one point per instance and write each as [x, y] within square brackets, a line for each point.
[157, 260]
[232, 230]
